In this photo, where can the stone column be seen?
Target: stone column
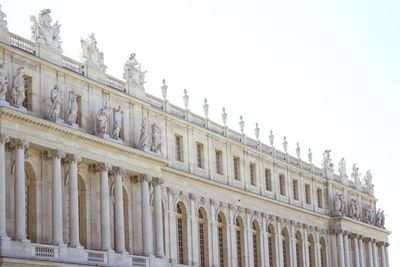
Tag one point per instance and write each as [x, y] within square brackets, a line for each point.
[147, 226]
[346, 248]
[119, 226]
[19, 190]
[158, 220]
[370, 257]
[383, 256]
[73, 201]
[3, 140]
[386, 252]
[194, 228]
[57, 207]
[340, 250]
[361, 251]
[374, 253]
[105, 207]
[356, 252]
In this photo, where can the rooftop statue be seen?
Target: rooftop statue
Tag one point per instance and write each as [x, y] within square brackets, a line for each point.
[45, 33]
[342, 169]
[91, 55]
[3, 22]
[133, 73]
[327, 164]
[355, 176]
[3, 81]
[368, 180]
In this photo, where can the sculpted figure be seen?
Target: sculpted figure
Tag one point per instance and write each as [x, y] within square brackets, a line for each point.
[3, 22]
[355, 176]
[3, 80]
[45, 33]
[91, 55]
[285, 143]
[298, 150]
[339, 204]
[72, 109]
[118, 117]
[368, 214]
[309, 155]
[271, 139]
[144, 136]
[378, 218]
[342, 169]
[354, 210]
[327, 165]
[155, 138]
[17, 91]
[368, 180]
[133, 71]
[102, 119]
[55, 105]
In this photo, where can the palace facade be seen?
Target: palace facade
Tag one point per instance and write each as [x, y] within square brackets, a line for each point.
[94, 171]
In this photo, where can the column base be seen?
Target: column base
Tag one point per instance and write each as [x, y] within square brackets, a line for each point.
[23, 239]
[75, 246]
[108, 250]
[59, 243]
[4, 237]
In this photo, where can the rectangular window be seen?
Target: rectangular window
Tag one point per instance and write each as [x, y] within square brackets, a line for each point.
[268, 180]
[218, 162]
[179, 147]
[253, 174]
[295, 190]
[236, 168]
[282, 184]
[308, 194]
[200, 155]
[319, 198]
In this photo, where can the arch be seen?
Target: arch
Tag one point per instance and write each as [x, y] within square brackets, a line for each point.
[82, 211]
[311, 250]
[285, 247]
[323, 256]
[181, 231]
[299, 249]
[271, 245]
[203, 237]
[256, 243]
[239, 224]
[222, 240]
[30, 202]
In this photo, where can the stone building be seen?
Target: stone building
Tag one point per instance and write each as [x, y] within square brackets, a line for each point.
[94, 171]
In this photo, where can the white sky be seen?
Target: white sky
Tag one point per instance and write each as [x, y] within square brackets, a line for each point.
[323, 73]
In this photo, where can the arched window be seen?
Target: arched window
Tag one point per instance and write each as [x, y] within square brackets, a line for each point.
[181, 233]
[299, 250]
[323, 252]
[256, 244]
[285, 247]
[311, 251]
[203, 238]
[271, 245]
[82, 211]
[239, 242]
[221, 240]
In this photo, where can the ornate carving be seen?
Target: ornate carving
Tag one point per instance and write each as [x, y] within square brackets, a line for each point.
[55, 103]
[4, 139]
[3, 22]
[144, 136]
[3, 78]
[133, 73]
[118, 117]
[380, 218]
[155, 141]
[73, 158]
[118, 171]
[45, 33]
[102, 167]
[145, 178]
[56, 153]
[17, 90]
[158, 181]
[72, 109]
[102, 118]
[354, 209]
[339, 205]
[368, 214]
[91, 55]
[150, 141]
[19, 144]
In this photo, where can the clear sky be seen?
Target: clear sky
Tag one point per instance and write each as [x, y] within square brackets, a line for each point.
[323, 73]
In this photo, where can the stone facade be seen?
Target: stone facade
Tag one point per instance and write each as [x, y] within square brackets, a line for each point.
[94, 171]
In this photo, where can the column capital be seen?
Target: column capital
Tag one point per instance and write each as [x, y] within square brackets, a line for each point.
[172, 191]
[118, 171]
[192, 196]
[144, 178]
[158, 181]
[103, 167]
[19, 143]
[387, 244]
[73, 158]
[55, 153]
[4, 139]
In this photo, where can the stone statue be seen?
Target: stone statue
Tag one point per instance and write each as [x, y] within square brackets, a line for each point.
[155, 139]
[298, 150]
[285, 144]
[118, 116]
[72, 109]
[3, 81]
[379, 218]
[368, 214]
[354, 209]
[309, 155]
[144, 136]
[45, 33]
[368, 180]
[355, 176]
[342, 169]
[271, 139]
[339, 204]
[327, 165]
[133, 73]
[224, 116]
[91, 55]
[3, 22]
[102, 120]
[17, 91]
[55, 103]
